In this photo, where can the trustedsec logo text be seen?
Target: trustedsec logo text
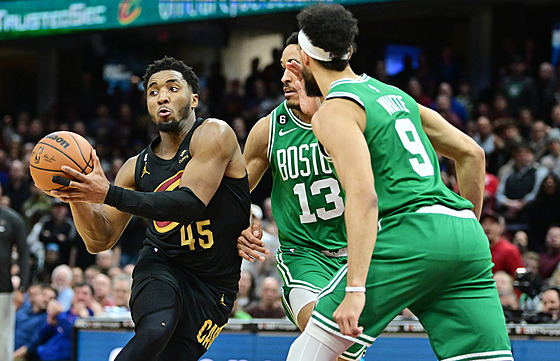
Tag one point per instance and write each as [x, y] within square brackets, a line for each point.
[129, 10]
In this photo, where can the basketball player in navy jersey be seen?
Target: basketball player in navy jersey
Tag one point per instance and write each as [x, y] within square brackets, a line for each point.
[192, 184]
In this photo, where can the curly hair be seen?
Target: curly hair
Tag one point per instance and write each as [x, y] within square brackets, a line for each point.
[170, 63]
[332, 28]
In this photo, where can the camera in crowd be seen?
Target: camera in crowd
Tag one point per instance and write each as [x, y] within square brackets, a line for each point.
[527, 282]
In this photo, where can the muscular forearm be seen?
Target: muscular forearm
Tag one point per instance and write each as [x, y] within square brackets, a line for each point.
[361, 222]
[93, 226]
[470, 178]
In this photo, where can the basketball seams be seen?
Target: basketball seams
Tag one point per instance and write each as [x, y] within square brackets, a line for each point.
[82, 153]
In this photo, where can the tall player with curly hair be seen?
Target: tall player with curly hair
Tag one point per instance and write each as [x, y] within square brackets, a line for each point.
[412, 242]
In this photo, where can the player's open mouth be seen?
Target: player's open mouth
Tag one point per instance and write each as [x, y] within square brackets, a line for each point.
[164, 112]
[288, 92]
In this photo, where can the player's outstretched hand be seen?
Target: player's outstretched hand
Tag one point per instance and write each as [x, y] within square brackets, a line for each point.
[308, 105]
[348, 313]
[91, 188]
[249, 244]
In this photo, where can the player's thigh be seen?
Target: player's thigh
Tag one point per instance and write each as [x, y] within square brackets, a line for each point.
[305, 273]
[466, 317]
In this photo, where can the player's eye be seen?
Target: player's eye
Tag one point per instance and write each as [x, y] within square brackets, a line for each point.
[153, 93]
[174, 88]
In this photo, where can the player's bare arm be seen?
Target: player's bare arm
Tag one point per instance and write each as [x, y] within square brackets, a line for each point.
[215, 152]
[468, 156]
[249, 244]
[99, 225]
[339, 126]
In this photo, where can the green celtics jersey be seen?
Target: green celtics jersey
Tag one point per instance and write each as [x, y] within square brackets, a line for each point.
[404, 163]
[307, 199]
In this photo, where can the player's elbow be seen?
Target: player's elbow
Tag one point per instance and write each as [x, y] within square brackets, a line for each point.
[95, 247]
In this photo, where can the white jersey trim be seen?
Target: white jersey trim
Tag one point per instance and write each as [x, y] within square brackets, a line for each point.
[440, 209]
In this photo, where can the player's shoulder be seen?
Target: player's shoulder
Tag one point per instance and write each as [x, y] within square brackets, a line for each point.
[214, 126]
[214, 134]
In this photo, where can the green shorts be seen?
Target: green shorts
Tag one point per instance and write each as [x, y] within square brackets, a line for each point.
[439, 266]
[311, 270]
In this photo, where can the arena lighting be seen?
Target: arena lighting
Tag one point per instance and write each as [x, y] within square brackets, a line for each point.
[47, 17]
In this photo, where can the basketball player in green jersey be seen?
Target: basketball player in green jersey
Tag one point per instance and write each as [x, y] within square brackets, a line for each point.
[307, 200]
[412, 242]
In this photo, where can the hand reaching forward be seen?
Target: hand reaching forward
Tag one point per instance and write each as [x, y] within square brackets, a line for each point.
[348, 313]
[249, 244]
[91, 188]
[308, 105]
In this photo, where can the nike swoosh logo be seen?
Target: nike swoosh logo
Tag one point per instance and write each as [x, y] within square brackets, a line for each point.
[282, 132]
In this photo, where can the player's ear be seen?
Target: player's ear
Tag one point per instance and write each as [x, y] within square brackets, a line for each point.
[305, 59]
[194, 100]
[351, 52]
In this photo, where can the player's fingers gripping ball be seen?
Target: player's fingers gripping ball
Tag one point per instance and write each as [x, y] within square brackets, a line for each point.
[54, 151]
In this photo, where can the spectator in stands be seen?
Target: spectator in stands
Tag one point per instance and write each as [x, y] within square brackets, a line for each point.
[551, 161]
[504, 281]
[416, 91]
[518, 186]
[77, 276]
[443, 107]
[52, 256]
[521, 240]
[121, 288]
[554, 280]
[18, 185]
[544, 211]
[30, 319]
[102, 289]
[555, 116]
[505, 256]
[55, 337]
[131, 240]
[484, 135]
[538, 139]
[457, 107]
[246, 295]
[61, 282]
[551, 256]
[90, 273]
[546, 86]
[519, 87]
[500, 108]
[525, 121]
[269, 305]
[57, 228]
[528, 281]
[37, 206]
[105, 260]
[550, 300]
[12, 237]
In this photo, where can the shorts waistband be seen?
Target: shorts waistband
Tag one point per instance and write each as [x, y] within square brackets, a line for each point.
[440, 209]
[342, 252]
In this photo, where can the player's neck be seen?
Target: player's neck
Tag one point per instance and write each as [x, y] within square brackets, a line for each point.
[302, 116]
[170, 141]
[326, 77]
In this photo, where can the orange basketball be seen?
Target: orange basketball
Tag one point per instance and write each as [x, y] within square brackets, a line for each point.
[54, 151]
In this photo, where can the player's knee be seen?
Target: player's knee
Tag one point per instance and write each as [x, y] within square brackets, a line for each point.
[155, 331]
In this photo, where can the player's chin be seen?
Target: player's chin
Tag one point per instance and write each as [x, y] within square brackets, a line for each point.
[293, 102]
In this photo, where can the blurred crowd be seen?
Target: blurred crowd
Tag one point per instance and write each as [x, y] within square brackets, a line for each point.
[516, 122]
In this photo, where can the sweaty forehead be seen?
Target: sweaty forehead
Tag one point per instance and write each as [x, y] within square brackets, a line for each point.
[162, 77]
[291, 52]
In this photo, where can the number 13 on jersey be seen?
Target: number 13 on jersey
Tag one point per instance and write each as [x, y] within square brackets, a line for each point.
[331, 197]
